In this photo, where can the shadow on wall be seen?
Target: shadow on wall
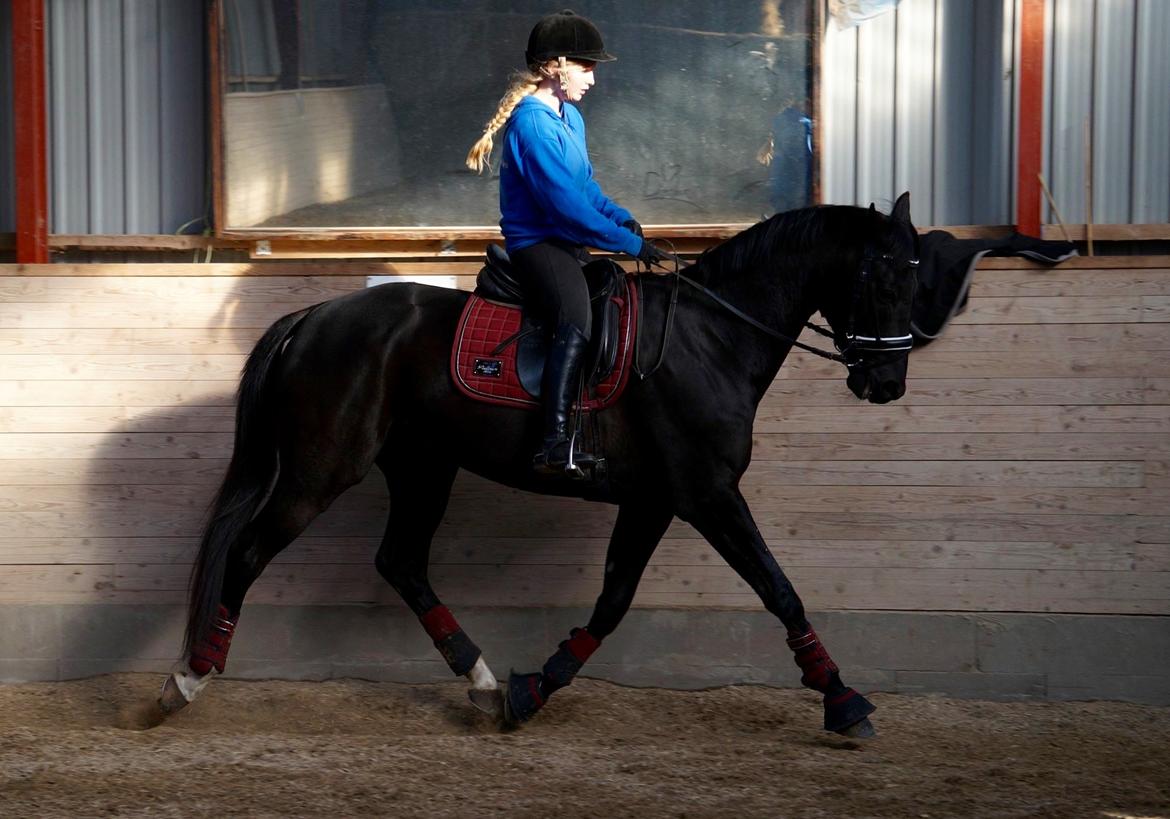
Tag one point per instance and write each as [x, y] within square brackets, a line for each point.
[500, 558]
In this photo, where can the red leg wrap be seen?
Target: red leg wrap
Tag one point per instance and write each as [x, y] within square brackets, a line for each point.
[582, 644]
[439, 623]
[211, 651]
[813, 660]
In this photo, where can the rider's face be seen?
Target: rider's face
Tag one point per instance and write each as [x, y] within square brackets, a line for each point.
[578, 78]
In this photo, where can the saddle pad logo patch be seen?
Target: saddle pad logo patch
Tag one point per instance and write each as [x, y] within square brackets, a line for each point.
[488, 367]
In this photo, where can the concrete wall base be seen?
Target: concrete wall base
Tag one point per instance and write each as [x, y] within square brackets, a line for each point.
[985, 656]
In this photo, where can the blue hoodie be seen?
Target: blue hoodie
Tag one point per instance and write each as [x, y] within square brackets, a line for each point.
[547, 189]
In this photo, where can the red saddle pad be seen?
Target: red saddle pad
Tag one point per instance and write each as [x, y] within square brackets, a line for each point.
[485, 375]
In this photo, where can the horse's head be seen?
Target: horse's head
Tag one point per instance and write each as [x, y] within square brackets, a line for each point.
[870, 311]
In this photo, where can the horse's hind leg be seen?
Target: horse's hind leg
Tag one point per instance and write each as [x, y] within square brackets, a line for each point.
[419, 488]
[289, 510]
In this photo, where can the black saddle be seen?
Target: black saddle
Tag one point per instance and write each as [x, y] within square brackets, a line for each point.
[607, 290]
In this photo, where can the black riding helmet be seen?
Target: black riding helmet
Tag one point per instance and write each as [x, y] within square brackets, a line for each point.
[565, 34]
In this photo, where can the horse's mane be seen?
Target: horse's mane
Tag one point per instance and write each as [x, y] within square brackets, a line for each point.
[784, 235]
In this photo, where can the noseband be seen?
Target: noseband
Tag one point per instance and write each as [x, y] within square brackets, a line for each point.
[850, 346]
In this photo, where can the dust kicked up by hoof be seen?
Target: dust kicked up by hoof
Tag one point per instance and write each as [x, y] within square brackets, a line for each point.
[140, 717]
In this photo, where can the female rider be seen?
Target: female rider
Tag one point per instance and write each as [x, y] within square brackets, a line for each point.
[551, 207]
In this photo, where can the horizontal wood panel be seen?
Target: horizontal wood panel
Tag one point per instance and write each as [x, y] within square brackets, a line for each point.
[519, 585]
[1014, 282]
[1065, 310]
[140, 513]
[146, 395]
[768, 501]
[180, 315]
[1055, 339]
[118, 419]
[895, 418]
[767, 446]
[1026, 469]
[1021, 473]
[959, 338]
[85, 367]
[126, 472]
[573, 551]
[166, 291]
[1067, 281]
[899, 418]
[943, 362]
[967, 392]
[961, 446]
[369, 268]
[1102, 263]
[783, 392]
[204, 472]
[930, 363]
[89, 445]
[1087, 338]
[128, 341]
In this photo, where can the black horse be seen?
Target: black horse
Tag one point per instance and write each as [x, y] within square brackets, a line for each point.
[363, 380]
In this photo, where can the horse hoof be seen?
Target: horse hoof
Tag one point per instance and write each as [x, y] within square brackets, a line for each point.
[488, 700]
[845, 710]
[859, 730]
[171, 697]
[523, 698]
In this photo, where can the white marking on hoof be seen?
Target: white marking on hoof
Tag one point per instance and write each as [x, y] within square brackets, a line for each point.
[188, 683]
[485, 690]
[481, 676]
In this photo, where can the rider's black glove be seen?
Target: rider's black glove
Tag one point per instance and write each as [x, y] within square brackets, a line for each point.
[649, 255]
[632, 226]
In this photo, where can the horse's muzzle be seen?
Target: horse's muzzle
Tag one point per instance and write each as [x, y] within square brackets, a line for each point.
[879, 384]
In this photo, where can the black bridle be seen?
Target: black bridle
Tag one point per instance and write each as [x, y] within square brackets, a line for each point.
[849, 345]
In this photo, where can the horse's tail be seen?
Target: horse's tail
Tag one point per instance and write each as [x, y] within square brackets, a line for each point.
[249, 478]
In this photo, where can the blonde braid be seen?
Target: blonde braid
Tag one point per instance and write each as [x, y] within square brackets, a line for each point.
[523, 84]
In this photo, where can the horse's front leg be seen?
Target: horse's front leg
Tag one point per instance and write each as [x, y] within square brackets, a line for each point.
[727, 524]
[635, 536]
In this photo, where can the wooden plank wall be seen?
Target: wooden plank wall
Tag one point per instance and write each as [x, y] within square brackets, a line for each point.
[1027, 470]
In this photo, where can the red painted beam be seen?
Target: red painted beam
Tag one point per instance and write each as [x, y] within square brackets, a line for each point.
[1030, 118]
[31, 143]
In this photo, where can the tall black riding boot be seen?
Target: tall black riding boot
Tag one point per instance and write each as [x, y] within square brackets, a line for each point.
[560, 385]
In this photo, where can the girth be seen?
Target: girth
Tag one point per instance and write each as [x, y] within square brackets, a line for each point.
[497, 282]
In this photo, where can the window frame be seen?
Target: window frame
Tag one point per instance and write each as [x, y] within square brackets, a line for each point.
[424, 242]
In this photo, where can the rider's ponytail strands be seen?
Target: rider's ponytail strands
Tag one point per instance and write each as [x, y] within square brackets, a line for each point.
[523, 84]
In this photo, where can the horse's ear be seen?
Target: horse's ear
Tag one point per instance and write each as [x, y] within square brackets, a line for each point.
[873, 207]
[901, 211]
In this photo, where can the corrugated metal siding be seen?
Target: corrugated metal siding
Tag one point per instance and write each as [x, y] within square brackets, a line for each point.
[920, 99]
[1110, 75]
[7, 191]
[1151, 121]
[126, 115]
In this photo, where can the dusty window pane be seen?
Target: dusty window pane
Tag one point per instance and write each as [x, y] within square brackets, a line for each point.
[345, 113]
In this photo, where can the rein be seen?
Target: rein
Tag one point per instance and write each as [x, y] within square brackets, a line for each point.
[868, 343]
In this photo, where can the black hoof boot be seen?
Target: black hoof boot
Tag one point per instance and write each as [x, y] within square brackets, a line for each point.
[525, 697]
[847, 709]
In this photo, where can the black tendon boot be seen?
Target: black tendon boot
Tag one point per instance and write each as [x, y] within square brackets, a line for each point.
[561, 384]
